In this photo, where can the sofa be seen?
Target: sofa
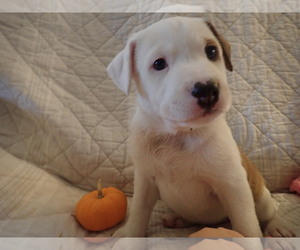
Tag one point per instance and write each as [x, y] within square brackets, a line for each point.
[64, 124]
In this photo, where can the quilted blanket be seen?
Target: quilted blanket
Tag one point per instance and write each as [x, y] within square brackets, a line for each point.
[63, 124]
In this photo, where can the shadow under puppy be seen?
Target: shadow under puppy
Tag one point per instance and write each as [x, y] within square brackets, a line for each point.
[182, 148]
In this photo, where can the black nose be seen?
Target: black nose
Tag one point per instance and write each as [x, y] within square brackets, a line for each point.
[206, 93]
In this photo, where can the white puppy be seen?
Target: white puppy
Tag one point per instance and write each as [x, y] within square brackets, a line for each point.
[181, 146]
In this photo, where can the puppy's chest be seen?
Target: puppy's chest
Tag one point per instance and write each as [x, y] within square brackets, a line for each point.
[175, 157]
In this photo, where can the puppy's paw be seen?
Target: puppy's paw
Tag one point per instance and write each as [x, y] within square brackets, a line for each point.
[275, 230]
[279, 244]
[279, 232]
[175, 221]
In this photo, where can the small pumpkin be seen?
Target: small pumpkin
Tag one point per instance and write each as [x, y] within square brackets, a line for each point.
[101, 209]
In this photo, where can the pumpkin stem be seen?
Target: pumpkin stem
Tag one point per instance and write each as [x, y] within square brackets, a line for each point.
[99, 189]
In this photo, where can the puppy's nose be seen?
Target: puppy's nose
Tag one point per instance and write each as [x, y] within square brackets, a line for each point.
[206, 93]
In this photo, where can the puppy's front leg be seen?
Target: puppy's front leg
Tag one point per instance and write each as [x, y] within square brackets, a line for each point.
[144, 197]
[236, 197]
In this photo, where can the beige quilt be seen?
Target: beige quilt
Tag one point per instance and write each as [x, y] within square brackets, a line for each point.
[63, 124]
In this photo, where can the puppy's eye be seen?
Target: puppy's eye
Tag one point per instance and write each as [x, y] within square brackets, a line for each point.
[211, 52]
[160, 64]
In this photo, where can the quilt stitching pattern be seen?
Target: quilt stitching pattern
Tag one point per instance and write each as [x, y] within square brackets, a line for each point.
[261, 93]
[89, 128]
[99, 144]
[146, 6]
[28, 149]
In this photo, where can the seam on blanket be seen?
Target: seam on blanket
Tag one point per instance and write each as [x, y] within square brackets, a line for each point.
[241, 41]
[67, 91]
[280, 44]
[124, 98]
[263, 134]
[28, 65]
[109, 113]
[82, 81]
[275, 73]
[34, 174]
[74, 31]
[266, 31]
[265, 98]
[261, 94]
[276, 21]
[88, 132]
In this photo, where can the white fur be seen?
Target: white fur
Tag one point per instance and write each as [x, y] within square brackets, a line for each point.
[188, 159]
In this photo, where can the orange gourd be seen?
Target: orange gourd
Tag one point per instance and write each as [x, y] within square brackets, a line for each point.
[101, 209]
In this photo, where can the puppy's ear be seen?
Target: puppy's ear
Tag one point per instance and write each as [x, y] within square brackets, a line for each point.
[225, 46]
[122, 66]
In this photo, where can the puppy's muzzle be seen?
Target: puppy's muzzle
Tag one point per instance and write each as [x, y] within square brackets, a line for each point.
[206, 93]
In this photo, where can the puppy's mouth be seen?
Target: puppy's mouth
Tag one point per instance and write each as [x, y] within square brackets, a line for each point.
[197, 117]
[209, 111]
[205, 114]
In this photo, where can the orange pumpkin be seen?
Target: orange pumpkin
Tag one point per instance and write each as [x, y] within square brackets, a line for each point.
[101, 209]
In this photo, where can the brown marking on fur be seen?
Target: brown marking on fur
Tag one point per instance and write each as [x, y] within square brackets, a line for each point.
[135, 73]
[224, 44]
[133, 67]
[157, 142]
[255, 179]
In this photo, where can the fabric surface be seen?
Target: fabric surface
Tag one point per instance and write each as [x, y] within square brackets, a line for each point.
[36, 203]
[149, 6]
[63, 124]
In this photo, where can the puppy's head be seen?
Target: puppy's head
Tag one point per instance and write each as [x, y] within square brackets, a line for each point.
[179, 67]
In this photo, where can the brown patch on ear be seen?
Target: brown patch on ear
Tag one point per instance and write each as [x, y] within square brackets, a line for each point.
[135, 74]
[224, 44]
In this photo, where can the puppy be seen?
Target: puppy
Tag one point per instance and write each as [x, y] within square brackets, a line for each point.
[181, 146]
